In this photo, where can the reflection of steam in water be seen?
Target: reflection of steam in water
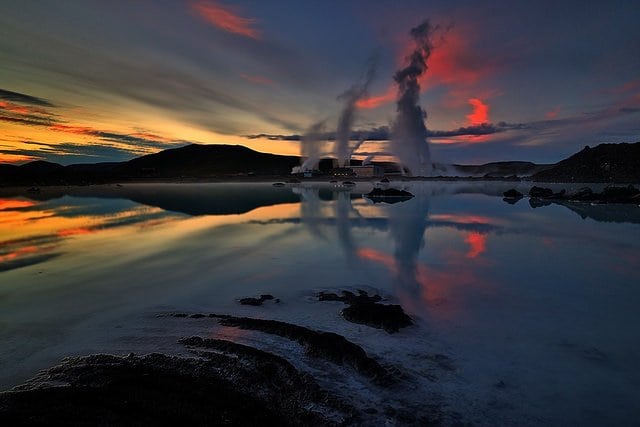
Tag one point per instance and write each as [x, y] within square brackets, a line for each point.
[311, 210]
[343, 210]
[314, 216]
[407, 224]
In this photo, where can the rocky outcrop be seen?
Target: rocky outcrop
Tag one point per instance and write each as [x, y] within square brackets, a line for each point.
[165, 390]
[367, 310]
[603, 163]
[257, 301]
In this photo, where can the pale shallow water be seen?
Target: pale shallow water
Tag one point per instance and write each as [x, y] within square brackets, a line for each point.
[536, 310]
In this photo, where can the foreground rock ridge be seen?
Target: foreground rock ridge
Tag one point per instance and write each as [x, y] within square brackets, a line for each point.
[230, 383]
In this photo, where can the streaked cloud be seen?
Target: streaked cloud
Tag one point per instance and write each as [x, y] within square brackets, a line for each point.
[257, 79]
[226, 18]
[8, 95]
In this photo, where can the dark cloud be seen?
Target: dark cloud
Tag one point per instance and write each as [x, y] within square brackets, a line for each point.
[69, 153]
[382, 133]
[24, 99]
[28, 119]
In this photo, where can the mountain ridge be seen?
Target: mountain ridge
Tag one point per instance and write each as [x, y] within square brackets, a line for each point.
[603, 163]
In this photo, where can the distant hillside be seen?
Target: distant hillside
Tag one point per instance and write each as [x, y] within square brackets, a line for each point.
[206, 161]
[499, 169]
[189, 162]
[603, 163]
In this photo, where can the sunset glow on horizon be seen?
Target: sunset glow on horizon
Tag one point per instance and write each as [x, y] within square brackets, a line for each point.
[127, 80]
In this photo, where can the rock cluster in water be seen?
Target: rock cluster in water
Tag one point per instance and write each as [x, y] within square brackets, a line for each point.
[367, 310]
[540, 196]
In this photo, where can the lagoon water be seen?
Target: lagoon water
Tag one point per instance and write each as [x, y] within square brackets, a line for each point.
[524, 316]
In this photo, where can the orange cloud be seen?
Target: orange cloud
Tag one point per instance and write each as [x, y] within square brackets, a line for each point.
[477, 244]
[74, 231]
[80, 130]
[15, 158]
[21, 109]
[480, 113]
[257, 79]
[6, 204]
[225, 18]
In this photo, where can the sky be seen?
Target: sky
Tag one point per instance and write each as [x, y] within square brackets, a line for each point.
[84, 81]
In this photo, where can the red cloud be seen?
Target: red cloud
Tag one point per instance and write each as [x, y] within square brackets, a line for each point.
[452, 63]
[21, 109]
[257, 79]
[477, 244]
[480, 112]
[225, 18]
[81, 130]
[550, 115]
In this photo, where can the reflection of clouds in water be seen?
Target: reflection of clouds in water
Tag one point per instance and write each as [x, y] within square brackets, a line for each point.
[33, 231]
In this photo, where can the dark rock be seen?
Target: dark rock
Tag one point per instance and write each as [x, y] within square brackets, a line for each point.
[512, 194]
[256, 301]
[584, 193]
[540, 192]
[388, 317]
[365, 309]
[388, 195]
[538, 203]
[161, 390]
[250, 301]
[325, 345]
[604, 163]
[197, 316]
[621, 194]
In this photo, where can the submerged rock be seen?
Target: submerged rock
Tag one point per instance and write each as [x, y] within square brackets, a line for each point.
[325, 345]
[512, 194]
[256, 301]
[540, 192]
[365, 309]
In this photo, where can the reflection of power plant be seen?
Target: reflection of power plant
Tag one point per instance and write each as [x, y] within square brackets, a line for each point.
[405, 222]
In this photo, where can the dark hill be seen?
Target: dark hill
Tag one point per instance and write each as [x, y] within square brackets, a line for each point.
[603, 163]
[499, 169]
[206, 161]
[190, 162]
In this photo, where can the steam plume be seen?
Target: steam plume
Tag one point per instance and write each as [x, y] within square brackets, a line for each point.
[312, 145]
[409, 133]
[351, 97]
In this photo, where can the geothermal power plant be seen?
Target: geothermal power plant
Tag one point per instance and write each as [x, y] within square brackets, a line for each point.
[408, 137]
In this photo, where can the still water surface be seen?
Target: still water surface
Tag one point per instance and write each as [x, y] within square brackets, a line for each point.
[536, 308]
